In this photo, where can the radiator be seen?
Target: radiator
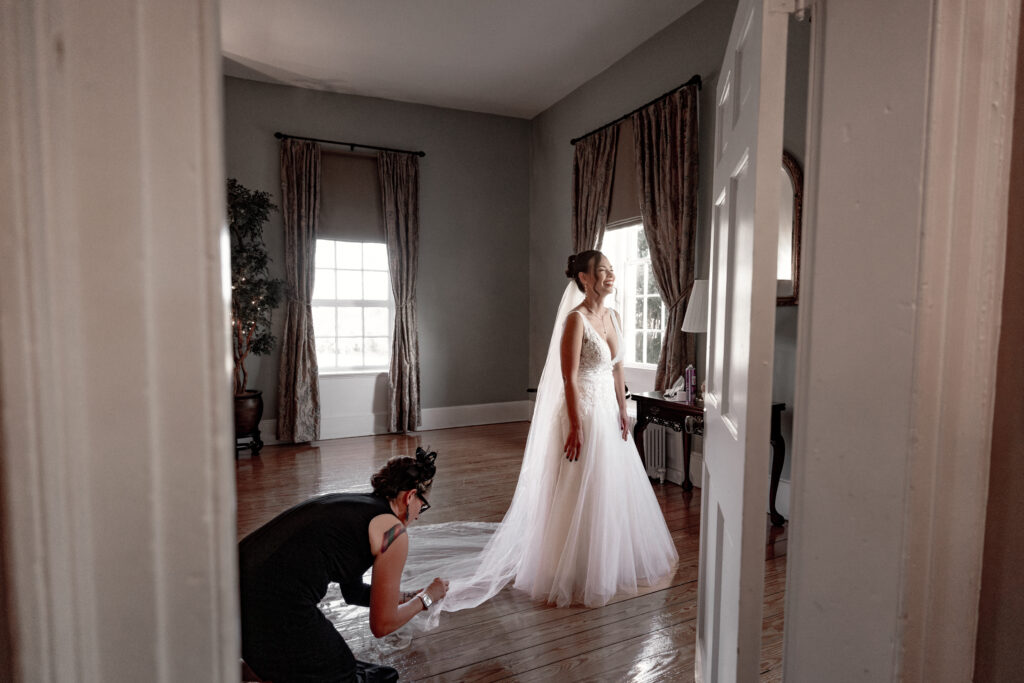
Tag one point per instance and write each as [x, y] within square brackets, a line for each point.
[655, 450]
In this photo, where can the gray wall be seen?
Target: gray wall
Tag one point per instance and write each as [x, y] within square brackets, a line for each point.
[474, 194]
[665, 61]
[694, 44]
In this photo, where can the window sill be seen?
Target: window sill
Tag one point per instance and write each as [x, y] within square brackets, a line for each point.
[354, 373]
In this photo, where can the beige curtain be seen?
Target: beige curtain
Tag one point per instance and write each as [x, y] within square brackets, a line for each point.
[593, 168]
[399, 185]
[298, 389]
[665, 136]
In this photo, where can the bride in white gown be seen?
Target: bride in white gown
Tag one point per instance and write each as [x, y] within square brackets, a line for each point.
[600, 530]
[584, 524]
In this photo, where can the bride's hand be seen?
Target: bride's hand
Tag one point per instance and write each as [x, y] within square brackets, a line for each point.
[624, 425]
[573, 444]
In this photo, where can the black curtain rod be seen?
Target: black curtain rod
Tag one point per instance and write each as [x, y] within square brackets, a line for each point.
[693, 81]
[351, 145]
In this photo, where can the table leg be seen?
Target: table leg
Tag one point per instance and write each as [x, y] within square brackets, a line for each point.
[687, 445]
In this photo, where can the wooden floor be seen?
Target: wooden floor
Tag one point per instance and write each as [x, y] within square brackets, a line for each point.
[647, 637]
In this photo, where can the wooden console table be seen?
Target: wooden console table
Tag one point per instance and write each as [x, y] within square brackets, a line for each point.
[652, 406]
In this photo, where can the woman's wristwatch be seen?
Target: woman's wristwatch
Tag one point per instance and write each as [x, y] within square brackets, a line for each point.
[425, 599]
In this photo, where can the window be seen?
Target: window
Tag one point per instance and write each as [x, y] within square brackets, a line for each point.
[636, 294]
[353, 308]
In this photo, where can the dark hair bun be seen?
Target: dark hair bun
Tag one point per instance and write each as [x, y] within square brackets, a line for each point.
[581, 263]
[405, 474]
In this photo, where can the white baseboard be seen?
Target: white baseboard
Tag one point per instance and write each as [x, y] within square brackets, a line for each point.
[368, 424]
[344, 426]
[696, 467]
[782, 498]
[479, 414]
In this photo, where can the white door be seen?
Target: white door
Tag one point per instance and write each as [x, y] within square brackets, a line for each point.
[734, 493]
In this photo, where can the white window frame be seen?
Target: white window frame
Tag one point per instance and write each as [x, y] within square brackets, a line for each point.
[364, 303]
[627, 266]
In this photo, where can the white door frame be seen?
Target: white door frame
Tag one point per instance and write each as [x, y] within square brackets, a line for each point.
[118, 517]
[73, 441]
[963, 252]
[943, 408]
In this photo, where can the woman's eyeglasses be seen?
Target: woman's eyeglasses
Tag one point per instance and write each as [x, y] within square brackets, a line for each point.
[426, 505]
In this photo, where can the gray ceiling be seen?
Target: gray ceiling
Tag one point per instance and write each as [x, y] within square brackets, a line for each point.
[509, 57]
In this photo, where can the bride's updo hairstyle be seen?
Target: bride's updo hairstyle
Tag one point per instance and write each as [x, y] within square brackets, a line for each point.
[405, 474]
[582, 262]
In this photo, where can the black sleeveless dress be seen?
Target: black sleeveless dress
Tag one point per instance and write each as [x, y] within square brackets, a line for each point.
[284, 568]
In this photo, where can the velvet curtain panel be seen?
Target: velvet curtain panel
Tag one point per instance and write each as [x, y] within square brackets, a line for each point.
[399, 184]
[593, 168]
[665, 137]
[298, 388]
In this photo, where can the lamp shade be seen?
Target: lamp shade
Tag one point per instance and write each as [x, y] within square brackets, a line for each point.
[696, 318]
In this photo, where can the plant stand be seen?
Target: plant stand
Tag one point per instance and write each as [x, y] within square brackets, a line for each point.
[255, 444]
[248, 413]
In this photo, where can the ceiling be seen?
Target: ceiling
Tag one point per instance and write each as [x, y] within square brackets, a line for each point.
[508, 57]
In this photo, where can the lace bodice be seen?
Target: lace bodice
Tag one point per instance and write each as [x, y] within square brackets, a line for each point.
[596, 382]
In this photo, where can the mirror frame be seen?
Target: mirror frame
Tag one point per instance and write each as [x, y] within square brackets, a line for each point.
[796, 176]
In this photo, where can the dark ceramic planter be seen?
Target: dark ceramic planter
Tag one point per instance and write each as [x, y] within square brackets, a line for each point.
[248, 413]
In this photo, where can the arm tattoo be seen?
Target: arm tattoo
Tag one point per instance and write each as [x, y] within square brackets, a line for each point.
[390, 536]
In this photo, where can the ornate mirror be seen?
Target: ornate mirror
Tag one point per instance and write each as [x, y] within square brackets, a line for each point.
[791, 184]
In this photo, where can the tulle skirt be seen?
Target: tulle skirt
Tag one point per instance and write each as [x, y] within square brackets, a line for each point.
[575, 533]
[605, 533]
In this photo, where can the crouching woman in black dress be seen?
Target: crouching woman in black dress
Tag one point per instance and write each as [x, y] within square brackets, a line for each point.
[286, 564]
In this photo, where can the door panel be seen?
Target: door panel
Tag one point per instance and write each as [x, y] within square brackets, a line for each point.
[744, 241]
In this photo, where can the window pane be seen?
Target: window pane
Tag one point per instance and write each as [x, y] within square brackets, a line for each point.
[641, 244]
[652, 284]
[350, 353]
[323, 321]
[640, 287]
[324, 254]
[639, 346]
[376, 321]
[653, 347]
[639, 310]
[326, 353]
[375, 256]
[654, 313]
[376, 285]
[323, 284]
[350, 284]
[350, 255]
[378, 351]
[350, 321]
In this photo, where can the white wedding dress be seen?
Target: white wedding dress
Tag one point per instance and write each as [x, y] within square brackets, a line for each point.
[604, 532]
[576, 532]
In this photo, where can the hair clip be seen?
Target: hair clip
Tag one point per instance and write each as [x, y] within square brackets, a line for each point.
[425, 457]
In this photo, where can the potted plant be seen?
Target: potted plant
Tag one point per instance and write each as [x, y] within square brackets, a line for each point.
[254, 296]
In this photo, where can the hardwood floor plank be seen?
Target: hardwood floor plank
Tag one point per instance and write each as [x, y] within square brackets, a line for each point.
[644, 637]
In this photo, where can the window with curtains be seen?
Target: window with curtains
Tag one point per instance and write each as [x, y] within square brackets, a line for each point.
[353, 307]
[636, 294]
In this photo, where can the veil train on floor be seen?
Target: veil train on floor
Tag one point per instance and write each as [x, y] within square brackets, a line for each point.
[479, 559]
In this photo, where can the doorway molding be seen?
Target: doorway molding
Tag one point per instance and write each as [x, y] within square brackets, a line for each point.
[919, 518]
[118, 502]
[971, 101]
